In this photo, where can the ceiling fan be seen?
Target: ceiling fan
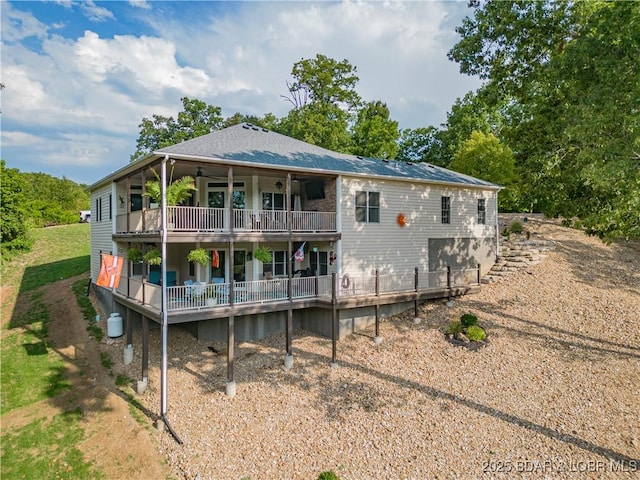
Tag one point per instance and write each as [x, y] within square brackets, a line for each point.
[200, 173]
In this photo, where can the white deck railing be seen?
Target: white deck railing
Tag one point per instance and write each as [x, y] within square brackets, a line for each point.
[204, 219]
[201, 295]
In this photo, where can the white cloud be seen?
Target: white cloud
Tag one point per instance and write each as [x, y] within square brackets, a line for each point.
[94, 12]
[140, 4]
[78, 101]
[18, 25]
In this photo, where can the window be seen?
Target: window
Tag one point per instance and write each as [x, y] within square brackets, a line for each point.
[368, 207]
[272, 201]
[279, 262]
[446, 210]
[482, 212]
[99, 209]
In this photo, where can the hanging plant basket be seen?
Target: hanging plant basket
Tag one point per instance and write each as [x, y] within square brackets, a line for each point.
[199, 255]
[153, 257]
[134, 255]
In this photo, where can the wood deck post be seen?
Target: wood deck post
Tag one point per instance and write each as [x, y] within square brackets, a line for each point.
[145, 348]
[334, 319]
[230, 346]
[479, 274]
[415, 302]
[377, 286]
[129, 326]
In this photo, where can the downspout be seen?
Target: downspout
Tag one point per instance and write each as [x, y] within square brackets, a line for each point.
[165, 320]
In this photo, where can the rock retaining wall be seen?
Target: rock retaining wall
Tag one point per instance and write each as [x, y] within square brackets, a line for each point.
[517, 253]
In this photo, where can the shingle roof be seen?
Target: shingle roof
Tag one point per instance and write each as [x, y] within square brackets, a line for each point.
[247, 143]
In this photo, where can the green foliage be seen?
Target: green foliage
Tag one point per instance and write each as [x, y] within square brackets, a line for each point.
[475, 333]
[105, 360]
[323, 80]
[374, 133]
[324, 100]
[47, 449]
[419, 145]
[516, 227]
[178, 191]
[328, 475]
[55, 201]
[468, 319]
[196, 119]
[199, 255]
[263, 254]
[134, 255]
[574, 131]
[454, 328]
[483, 156]
[153, 257]
[14, 223]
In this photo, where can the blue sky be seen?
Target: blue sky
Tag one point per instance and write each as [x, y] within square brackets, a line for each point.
[80, 76]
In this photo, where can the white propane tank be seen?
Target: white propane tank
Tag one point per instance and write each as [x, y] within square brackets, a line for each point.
[114, 325]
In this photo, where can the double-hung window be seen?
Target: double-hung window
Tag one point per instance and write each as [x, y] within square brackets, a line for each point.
[279, 262]
[445, 216]
[368, 207]
[482, 211]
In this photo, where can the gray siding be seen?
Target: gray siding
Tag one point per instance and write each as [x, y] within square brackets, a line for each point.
[101, 227]
[398, 250]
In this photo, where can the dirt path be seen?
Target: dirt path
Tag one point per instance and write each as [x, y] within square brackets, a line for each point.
[117, 444]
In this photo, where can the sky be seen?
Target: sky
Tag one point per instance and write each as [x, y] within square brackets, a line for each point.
[80, 76]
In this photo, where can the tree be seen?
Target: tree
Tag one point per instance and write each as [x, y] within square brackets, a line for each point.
[421, 144]
[323, 80]
[483, 156]
[196, 119]
[374, 134]
[575, 133]
[324, 100]
[14, 215]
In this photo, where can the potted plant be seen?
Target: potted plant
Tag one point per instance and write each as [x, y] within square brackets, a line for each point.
[263, 254]
[198, 255]
[153, 257]
[134, 255]
[178, 191]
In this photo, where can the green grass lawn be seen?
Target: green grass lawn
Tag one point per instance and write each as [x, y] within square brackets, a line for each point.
[31, 369]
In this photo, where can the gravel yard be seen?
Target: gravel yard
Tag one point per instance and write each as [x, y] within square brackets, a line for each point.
[555, 393]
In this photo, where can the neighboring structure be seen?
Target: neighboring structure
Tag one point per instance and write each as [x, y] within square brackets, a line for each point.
[345, 216]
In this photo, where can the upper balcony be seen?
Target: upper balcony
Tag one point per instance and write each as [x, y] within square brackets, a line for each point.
[224, 220]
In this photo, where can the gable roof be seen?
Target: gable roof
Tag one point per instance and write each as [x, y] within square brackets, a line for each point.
[255, 146]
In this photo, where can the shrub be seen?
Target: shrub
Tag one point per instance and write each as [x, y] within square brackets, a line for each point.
[454, 328]
[516, 227]
[330, 475]
[468, 320]
[475, 333]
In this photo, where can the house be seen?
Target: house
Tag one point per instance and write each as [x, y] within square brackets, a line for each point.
[351, 238]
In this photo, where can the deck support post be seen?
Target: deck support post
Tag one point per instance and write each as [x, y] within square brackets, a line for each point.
[142, 384]
[377, 339]
[416, 318]
[449, 301]
[128, 346]
[289, 325]
[231, 384]
[334, 320]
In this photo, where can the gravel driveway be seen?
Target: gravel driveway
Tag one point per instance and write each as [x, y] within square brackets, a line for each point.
[555, 393]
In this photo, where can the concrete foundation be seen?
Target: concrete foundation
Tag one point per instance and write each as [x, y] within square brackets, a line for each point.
[128, 354]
